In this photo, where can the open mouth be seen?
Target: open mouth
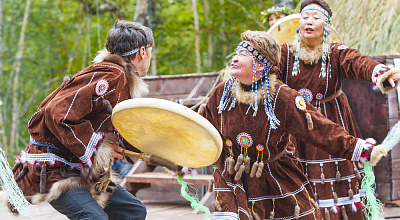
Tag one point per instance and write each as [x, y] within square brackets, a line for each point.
[309, 30]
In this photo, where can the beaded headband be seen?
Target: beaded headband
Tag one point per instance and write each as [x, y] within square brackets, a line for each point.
[253, 51]
[313, 7]
[132, 51]
[229, 93]
[325, 55]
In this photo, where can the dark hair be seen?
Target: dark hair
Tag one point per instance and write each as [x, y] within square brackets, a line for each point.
[321, 3]
[128, 35]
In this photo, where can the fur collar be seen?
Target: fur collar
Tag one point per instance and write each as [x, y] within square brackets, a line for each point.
[245, 96]
[309, 55]
[137, 87]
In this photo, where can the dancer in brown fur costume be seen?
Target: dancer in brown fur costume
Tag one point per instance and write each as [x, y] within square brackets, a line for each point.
[68, 160]
[256, 177]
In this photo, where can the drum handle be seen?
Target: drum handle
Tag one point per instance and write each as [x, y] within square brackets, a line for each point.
[152, 159]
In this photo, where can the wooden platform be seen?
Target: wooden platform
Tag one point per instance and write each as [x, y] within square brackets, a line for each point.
[165, 178]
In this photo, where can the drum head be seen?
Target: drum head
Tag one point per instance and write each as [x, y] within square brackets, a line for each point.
[285, 30]
[168, 130]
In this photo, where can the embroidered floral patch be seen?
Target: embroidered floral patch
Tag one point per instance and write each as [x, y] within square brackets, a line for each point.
[300, 103]
[101, 87]
[244, 140]
[260, 147]
[228, 142]
[318, 96]
[306, 94]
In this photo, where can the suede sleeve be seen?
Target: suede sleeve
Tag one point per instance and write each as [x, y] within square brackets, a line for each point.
[353, 64]
[325, 134]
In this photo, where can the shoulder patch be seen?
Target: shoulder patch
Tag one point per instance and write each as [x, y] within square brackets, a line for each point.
[101, 87]
[300, 103]
[342, 47]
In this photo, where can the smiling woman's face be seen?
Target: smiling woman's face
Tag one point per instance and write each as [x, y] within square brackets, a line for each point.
[242, 66]
[312, 24]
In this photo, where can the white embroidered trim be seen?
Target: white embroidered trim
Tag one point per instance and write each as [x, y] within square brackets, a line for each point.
[45, 157]
[301, 214]
[358, 149]
[222, 190]
[244, 211]
[375, 72]
[279, 196]
[334, 179]
[341, 201]
[321, 161]
[96, 137]
[109, 66]
[226, 216]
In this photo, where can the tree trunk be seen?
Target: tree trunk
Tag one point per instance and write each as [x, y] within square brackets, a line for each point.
[15, 76]
[1, 40]
[145, 14]
[197, 35]
[210, 48]
[223, 24]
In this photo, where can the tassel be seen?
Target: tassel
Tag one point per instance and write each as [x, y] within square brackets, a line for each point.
[16, 166]
[316, 196]
[247, 164]
[23, 172]
[314, 204]
[210, 185]
[351, 194]
[335, 209]
[260, 169]
[319, 109]
[256, 217]
[337, 176]
[327, 216]
[239, 172]
[344, 214]
[251, 216]
[107, 106]
[231, 165]
[358, 175]
[217, 206]
[254, 169]
[335, 197]
[297, 212]
[310, 124]
[239, 162]
[271, 215]
[43, 177]
[322, 178]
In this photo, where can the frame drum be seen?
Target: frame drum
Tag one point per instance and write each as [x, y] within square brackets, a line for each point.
[168, 130]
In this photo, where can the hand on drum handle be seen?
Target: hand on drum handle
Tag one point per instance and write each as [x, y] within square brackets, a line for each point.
[117, 153]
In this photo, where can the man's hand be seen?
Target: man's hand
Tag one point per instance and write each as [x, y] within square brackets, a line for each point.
[117, 152]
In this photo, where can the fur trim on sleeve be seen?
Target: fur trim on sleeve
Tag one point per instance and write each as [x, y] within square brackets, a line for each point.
[377, 154]
[104, 157]
[382, 78]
